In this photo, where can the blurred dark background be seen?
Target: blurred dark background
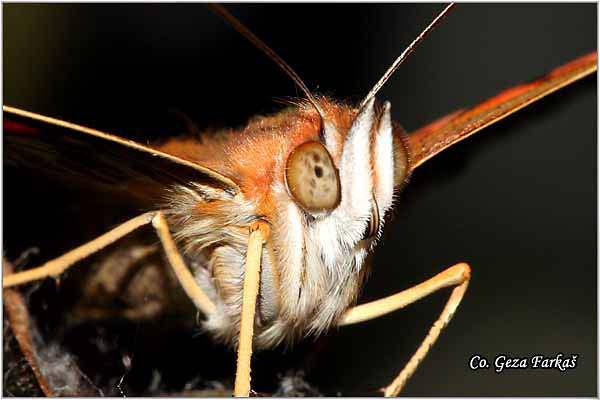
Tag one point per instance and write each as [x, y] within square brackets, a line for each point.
[517, 202]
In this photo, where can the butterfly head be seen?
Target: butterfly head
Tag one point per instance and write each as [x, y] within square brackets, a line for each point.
[336, 189]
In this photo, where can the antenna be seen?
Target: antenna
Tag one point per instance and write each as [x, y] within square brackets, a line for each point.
[404, 55]
[238, 26]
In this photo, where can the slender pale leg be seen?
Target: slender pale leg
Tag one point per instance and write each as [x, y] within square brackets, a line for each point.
[57, 266]
[259, 233]
[185, 277]
[457, 275]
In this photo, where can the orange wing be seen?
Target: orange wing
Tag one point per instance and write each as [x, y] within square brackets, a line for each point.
[431, 139]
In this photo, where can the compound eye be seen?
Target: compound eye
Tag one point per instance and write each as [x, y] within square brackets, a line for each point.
[312, 178]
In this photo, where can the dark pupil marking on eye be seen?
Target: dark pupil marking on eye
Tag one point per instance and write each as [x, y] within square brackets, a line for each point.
[318, 172]
[316, 157]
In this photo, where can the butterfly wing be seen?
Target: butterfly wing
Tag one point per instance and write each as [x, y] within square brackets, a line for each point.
[96, 159]
[431, 139]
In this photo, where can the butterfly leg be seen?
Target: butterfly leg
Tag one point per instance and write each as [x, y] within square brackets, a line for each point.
[54, 268]
[182, 272]
[457, 276]
[259, 233]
